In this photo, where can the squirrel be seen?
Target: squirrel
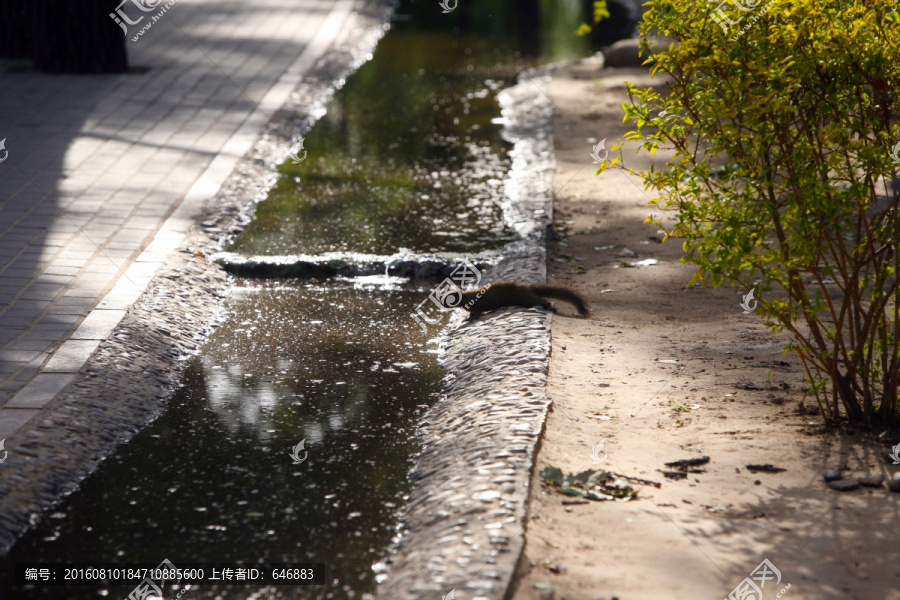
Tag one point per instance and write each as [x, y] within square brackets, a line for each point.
[510, 293]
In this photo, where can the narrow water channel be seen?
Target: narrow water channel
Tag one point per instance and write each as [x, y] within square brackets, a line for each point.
[408, 157]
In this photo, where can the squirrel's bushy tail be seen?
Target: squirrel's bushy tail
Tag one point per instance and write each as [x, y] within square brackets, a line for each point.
[560, 292]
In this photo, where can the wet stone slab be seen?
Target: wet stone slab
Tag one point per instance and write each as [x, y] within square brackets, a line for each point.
[326, 267]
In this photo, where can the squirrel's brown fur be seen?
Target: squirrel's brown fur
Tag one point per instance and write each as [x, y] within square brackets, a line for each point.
[510, 293]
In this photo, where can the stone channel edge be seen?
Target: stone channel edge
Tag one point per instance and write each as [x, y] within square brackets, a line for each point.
[464, 521]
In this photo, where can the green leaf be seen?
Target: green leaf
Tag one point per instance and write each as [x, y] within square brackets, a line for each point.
[552, 476]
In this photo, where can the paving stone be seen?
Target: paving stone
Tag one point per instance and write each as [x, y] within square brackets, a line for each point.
[98, 325]
[12, 419]
[18, 355]
[40, 391]
[22, 313]
[71, 356]
[46, 331]
[27, 372]
[38, 345]
[8, 368]
[79, 309]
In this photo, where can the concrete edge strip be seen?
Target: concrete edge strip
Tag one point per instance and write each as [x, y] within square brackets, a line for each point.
[74, 353]
[465, 518]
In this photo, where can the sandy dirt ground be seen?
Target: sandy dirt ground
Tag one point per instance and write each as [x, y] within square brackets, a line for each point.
[659, 373]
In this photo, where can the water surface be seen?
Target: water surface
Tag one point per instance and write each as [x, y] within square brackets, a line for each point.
[341, 366]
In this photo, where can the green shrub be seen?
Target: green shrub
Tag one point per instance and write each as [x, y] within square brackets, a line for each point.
[781, 118]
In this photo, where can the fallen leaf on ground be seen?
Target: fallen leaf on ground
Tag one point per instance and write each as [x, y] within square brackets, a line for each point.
[590, 484]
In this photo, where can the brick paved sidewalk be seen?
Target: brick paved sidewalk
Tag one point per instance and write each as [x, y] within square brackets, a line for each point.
[105, 174]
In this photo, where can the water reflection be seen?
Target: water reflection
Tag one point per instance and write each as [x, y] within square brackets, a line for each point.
[410, 154]
[342, 366]
[405, 158]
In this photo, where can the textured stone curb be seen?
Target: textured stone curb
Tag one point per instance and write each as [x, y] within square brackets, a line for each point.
[129, 380]
[465, 518]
